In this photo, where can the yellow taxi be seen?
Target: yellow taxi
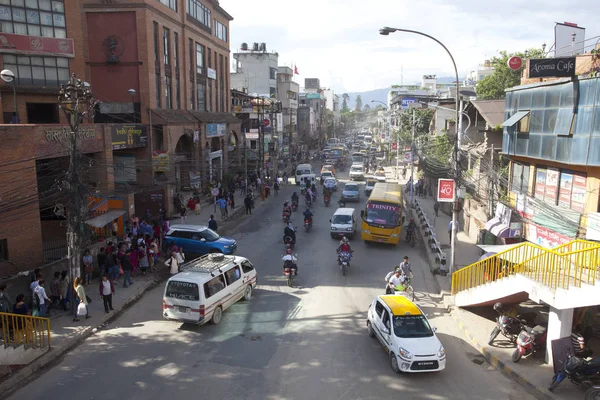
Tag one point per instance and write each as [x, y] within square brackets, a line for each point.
[328, 168]
[405, 333]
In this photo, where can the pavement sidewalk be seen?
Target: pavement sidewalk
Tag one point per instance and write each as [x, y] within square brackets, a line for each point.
[66, 334]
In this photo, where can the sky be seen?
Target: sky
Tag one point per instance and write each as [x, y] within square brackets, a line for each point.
[338, 41]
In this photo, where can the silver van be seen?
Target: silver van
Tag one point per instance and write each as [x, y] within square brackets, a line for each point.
[343, 223]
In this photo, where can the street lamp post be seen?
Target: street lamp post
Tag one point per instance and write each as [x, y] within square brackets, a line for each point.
[385, 31]
[8, 76]
[76, 100]
[132, 94]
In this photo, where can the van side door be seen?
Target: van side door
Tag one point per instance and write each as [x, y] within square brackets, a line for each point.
[235, 283]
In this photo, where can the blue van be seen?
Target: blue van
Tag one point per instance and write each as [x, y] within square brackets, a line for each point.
[199, 240]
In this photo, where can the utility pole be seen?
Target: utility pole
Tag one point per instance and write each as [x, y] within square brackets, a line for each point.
[412, 162]
[76, 100]
[457, 143]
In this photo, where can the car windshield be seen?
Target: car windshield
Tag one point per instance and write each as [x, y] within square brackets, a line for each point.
[326, 174]
[384, 214]
[341, 219]
[182, 290]
[351, 188]
[412, 326]
[356, 169]
[380, 173]
[330, 181]
[210, 235]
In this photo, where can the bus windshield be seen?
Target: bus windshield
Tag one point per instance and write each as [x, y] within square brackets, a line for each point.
[384, 214]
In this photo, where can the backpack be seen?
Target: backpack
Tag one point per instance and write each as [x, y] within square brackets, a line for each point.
[36, 300]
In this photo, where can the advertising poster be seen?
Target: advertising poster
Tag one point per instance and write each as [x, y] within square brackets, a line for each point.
[578, 193]
[160, 161]
[551, 186]
[540, 183]
[566, 187]
[129, 136]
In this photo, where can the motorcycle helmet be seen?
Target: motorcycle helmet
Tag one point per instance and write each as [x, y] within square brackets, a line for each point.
[498, 307]
[345, 240]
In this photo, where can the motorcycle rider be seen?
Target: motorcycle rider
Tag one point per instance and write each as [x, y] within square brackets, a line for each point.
[309, 196]
[313, 189]
[308, 215]
[289, 260]
[396, 282]
[290, 231]
[295, 198]
[326, 193]
[344, 247]
[405, 269]
[410, 229]
[287, 209]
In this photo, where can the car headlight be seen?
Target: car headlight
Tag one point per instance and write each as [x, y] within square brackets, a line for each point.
[228, 246]
[366, 231]
[405, 353]
[333, 228]
[348, 229]
[441, 352]
[394, 235]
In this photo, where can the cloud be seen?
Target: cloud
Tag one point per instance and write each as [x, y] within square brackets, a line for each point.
[339, 43]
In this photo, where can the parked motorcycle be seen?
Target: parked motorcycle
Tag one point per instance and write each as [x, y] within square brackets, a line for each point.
[327, 201]
[529, 341]
[344, 261]
[580, 372]
[510, 326]
[294, 206]
[307, 224]
[290, 271]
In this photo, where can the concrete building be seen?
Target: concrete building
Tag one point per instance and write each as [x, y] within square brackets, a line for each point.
[312, 85]
[316, 102]
[332, 103]
[255, 70]
[306, 123]
[482, 70]
[287, 94]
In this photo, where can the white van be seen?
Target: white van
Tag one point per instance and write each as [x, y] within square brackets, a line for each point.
[206, 287]
[343, 223]
[303, 169]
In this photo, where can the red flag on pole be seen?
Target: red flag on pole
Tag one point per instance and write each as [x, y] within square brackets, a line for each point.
[296, 70]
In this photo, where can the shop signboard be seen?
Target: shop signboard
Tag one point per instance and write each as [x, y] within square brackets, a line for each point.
[215, 130]
[562, 67]
[129, 136]
[545, 237]
[160, 161]
[593, 226]
[540, 183]
[566, 187]
[446, 190]
[551, 186]
[578, 193]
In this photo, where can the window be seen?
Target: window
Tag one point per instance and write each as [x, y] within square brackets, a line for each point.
[4, 250]
[172, 4]
[209, 98]
[379, 309]
[272, 91]
[209, 58]
[200, 96]
[520, 178]
[45, 19]
[412, 326]
[42, 113]
[182, 291]
[233, 275]
[247, 267]
[199, 58]
[220, 31]
[191, 56]
[166, 46]
[168, 103]
[158, 105]
[156, 42]
[176, 50]
[221, 104]
[177, 94]
[214, 286]
[41, 71]
[272, 73]
[192, 91]
[199, 12]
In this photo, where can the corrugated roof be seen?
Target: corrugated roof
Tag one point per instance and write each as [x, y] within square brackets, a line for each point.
[491, 110]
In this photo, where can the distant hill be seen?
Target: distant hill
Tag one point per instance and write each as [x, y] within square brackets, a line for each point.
[381, 94]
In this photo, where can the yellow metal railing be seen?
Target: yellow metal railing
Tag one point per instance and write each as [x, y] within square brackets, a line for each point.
[567, 265]
[25, 330]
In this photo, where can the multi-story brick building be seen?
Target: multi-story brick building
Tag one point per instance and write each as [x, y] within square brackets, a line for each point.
[161, 72]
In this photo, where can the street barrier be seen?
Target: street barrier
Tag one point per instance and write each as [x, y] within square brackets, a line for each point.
[25, 330]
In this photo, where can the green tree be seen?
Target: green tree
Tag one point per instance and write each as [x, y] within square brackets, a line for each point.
[492, 86]
[345, 98]
[358, 106]
[367, 108]
[440, 148]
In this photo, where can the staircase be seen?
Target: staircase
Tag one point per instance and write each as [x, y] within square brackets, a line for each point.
[567, 276]
[24, 338]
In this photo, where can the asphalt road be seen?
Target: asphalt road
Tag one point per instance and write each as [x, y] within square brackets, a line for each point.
[306, 342]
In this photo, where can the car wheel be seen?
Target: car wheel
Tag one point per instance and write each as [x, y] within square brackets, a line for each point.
[217, 315]
[248, 293]
[370, 330]
[394, 363]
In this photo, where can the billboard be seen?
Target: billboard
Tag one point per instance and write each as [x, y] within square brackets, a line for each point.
[406, 101]
[568, 39]
[129, 136]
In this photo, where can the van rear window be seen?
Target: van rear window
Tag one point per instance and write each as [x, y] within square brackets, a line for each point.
[183, 290]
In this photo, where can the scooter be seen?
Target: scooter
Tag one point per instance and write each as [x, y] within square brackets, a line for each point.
[580, 372]
[290, 271]
[327, 201]
[294, 206]
[307, 224]
[344, 261]
[286, 217]
[529, 341]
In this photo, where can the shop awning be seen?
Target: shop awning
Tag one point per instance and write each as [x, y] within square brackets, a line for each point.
[102, 220]
[496, 248]
[497, 228]
[519, 115]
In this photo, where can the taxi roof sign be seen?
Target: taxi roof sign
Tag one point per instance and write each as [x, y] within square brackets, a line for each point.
[400, 305]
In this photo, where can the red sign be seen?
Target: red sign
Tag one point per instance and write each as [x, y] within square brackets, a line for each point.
[394, 146]
[446, 190]
[23, 44]
[266, 122]
[515, 63]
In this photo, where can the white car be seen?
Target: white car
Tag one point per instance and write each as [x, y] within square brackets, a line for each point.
[380, 176]
[357, 172]
[405, 333]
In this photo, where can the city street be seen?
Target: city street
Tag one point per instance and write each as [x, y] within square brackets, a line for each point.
[305, 342]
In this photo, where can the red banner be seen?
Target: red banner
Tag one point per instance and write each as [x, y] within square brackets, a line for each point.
[23, 44]
[446, 190]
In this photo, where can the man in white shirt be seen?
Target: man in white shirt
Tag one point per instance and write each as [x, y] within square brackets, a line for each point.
[40, 292]
[396, 282]
[290, 261]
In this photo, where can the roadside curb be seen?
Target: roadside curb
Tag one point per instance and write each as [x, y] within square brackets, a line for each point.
[538, 392]
[29, 372]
